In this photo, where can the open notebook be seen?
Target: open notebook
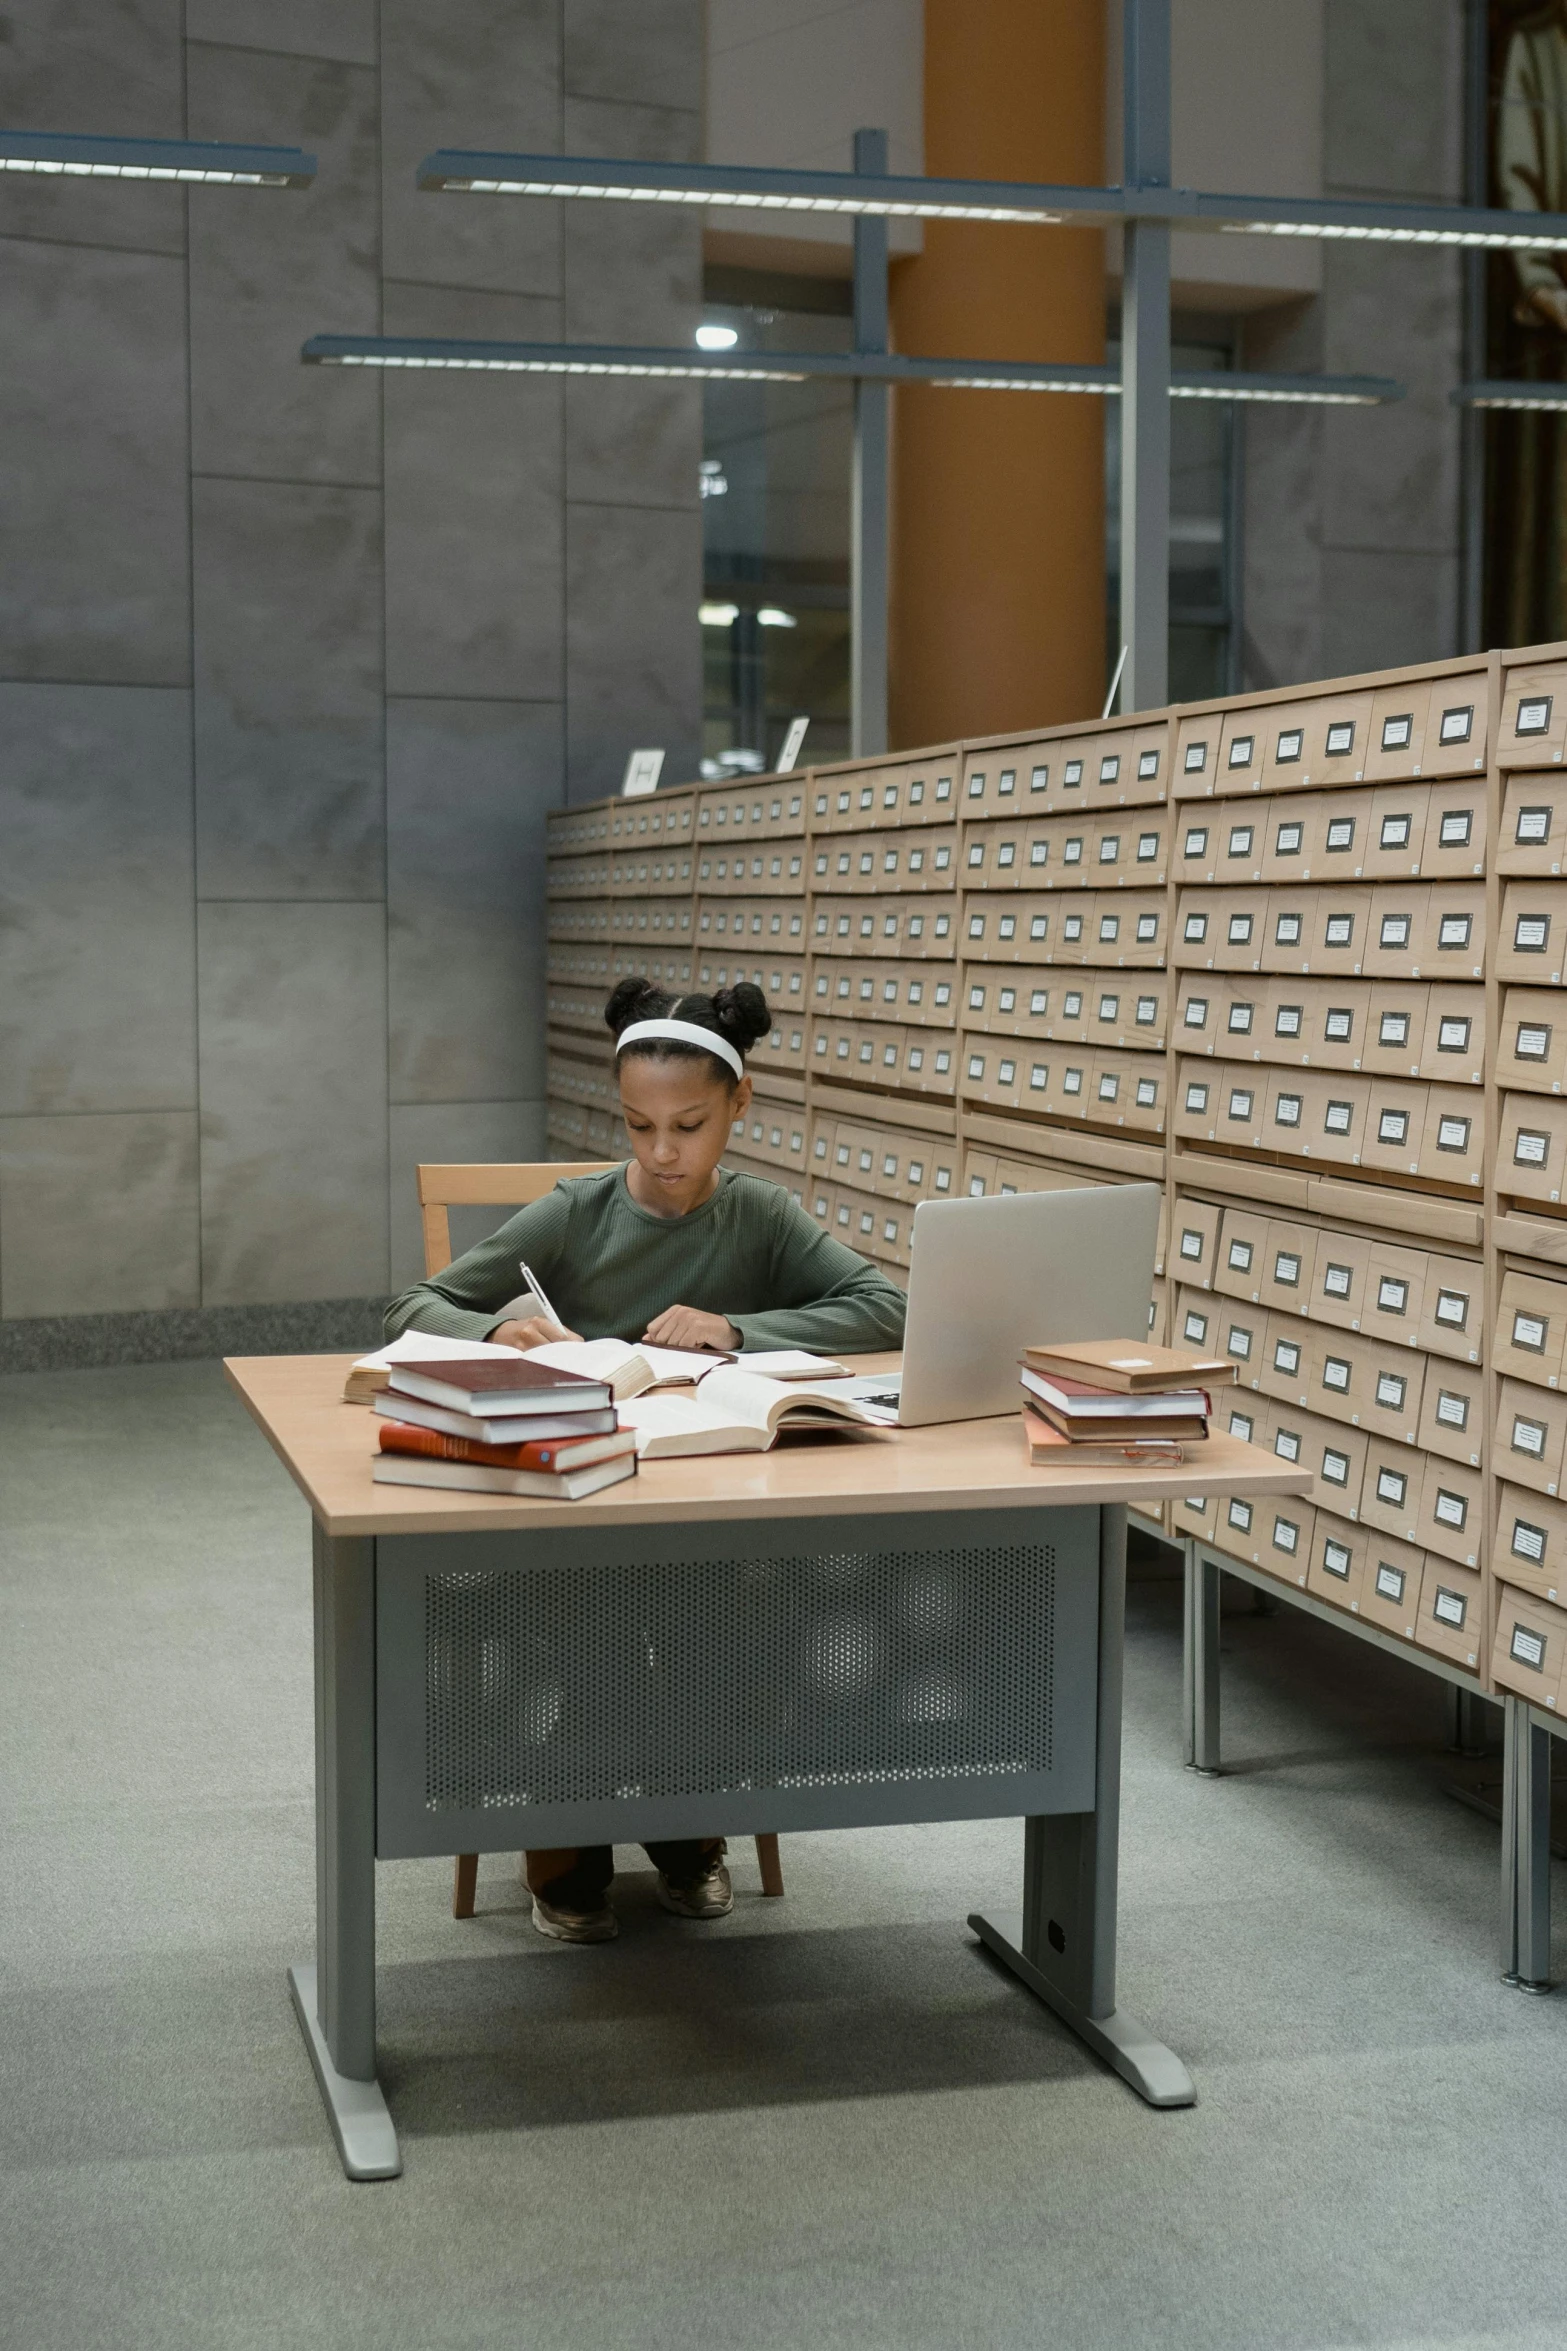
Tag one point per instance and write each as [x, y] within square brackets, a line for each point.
[736, 1411]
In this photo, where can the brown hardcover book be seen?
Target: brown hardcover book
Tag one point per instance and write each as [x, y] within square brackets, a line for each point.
[565, 1453]
[1132, 1369]
[496, 1390]
[1046, 1445]
[1104, 1429]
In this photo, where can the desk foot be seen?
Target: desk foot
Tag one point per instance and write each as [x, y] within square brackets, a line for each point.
[361, 2125]
[1154, 2071]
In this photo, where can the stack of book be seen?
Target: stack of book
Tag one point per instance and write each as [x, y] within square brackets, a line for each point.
[500, 1424]
[1111, 1401]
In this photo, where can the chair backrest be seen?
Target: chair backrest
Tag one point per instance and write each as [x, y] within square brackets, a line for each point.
[479, 1186]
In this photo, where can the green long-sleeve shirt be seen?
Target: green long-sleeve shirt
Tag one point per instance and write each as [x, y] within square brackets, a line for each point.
[750, 1253]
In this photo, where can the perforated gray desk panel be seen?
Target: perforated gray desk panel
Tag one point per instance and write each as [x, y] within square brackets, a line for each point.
[588, 1688]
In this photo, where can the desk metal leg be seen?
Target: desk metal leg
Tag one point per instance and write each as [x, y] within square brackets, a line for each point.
[1526, 1850]
[1200, 1662]
[335, 1998]
[1063, 1943]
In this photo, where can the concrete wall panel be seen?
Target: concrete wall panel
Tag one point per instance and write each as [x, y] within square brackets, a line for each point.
[98, 1214]
[633, 663]
[289, 780]
[293, 1102]
[97, 914]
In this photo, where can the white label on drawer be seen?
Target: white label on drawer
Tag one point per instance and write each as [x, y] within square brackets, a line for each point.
[1452, 1411]
[1072, 774]
[1451, 1509]
[1534, 824]
[1238, 1343]
[1196, 844]
[1039, 853]
[1391, 1389]
[1530, 1148]
[1340, 738]
[1240, 929]
[1339, 930]
[1529, 1331]
[1393, 1126]
[1337, 1026]
[1527, 1647]
[1005, 854]
[1396, 732]
[1395, 930]
[1239, 1514]
[1449, 1607]
[1530, 933]
[1147, 1013]
[1196, 1327]
[1393, 1029]
[1391, 1486]
[1533, 1043]
[1457, 723]
[1288, 746]
[1286, 1536]
[1286, 931]
[1286, 1269]
[1392, 1295]
[1147, 847]
[1395, 832]
[1336, 1558]
[1072, 1082]
[1147, 1093]
[1241, 750]
[1529, 1437]
[1109, 767]
[1239, 1023]
[1109, 1083]
[1389, 1582]
[1241, 1425]
[1286, 1444]
[1341, 833]
[1197, 1099]
[1147, 927]
[1335, 1467]
[1455, 828]
[1287, 840]
[1147, 764]
[1109, 926]
[1039, 1076]
[1335, 1374]
[1336, 1281]
[1452, 1134]
[1534, 715]
[1286, 1357]
[1196, 758]
[1191, 1245]
[1072, 850]
[1528, 1541]
[1452, 1036]
[1240, 1102]
[1454, 929]
[1240, 1256]
[1241, 837]
[1286, 1110]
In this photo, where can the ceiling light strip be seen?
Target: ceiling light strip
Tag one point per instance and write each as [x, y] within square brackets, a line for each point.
[195, 162]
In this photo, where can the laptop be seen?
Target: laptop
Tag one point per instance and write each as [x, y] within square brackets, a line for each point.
[988, 1278]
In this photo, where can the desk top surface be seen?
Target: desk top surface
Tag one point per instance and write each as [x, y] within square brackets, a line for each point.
[328, 1448]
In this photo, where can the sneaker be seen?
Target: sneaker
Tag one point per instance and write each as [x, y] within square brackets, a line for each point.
[707, 1896]
[575, 1926]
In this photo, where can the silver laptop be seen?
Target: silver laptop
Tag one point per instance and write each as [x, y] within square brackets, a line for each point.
[988, 1278]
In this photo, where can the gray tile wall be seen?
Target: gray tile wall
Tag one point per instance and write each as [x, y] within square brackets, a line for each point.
[1352, 516]
[293, 661]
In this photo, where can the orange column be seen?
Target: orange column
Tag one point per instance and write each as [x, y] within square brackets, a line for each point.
[998, 591]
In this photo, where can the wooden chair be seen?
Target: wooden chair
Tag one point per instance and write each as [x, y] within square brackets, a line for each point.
[442, 1188]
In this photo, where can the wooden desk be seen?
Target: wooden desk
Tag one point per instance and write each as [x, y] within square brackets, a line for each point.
[918, 1627]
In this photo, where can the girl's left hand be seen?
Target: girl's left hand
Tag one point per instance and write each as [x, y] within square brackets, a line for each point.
[683, 1326]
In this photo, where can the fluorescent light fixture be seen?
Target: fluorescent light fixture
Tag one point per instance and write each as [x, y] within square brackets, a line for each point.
[759, 188]
[717, 616]
[1474, 228]
[1502, 394]
[795, 367]
[773, 616]
[195, 162]
[717, 338]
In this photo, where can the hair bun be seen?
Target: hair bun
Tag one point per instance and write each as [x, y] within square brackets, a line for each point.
[742, 1013]
[634, 998]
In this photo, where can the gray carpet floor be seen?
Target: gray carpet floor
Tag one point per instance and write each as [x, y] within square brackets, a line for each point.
[827, 2121]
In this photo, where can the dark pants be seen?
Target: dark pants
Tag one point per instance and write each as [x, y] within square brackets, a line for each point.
[577, 1877]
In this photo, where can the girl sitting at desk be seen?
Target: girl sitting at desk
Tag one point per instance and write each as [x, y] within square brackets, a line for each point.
[676, 1249]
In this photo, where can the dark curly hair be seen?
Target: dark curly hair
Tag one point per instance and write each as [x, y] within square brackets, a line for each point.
[739, 1015]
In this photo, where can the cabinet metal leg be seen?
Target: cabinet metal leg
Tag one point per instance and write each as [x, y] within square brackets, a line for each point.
[1470, 1721]
[1526, 1850]
[335, 1999]
[1200, 1662]
[1062, 1944]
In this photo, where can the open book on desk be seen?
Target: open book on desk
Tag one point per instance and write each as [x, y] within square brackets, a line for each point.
[630, 1371]
[737, 1411]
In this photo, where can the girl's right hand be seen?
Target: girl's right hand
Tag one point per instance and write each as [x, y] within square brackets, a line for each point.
[537, 1331]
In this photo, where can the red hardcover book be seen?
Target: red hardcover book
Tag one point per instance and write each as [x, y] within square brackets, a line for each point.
[565, 1453]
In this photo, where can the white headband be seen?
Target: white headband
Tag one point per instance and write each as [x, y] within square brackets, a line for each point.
[684, 1032]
